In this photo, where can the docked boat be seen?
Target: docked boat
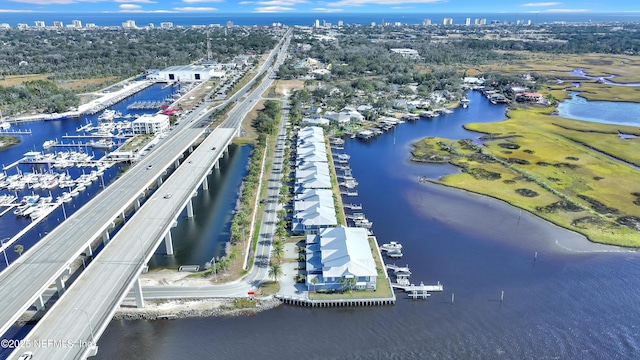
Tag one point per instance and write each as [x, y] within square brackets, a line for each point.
[465, 102]
[391, 247]
[5, 125]
[107, 115]
[48, 144]
[102, 144]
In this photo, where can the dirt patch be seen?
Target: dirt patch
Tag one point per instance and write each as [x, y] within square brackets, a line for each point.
[559, 206]
[482, 174]
[588, 220]
[527, 193]
[481, 158]
[518, 161]
[598, 206]
[509, 181]
[598, 178]
[629, 221]
[510, 146]
[529, 151]
[572, 158]
[566, 165]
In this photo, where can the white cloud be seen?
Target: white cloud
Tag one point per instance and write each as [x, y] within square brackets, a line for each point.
[130, 7]
[14, 11]
[245, 2]
[329, 10]
[402, 7]
[136, 1]
[539, 4]
[281, 2]
[46, 2]
[382, 2]
[200, 1]
[191, 8]
[268, 9]
[568, 10]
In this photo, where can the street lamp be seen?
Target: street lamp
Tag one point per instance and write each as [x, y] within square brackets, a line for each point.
[93, 340]
[4, 251]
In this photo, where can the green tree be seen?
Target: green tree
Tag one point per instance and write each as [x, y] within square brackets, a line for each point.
[278, 249]
[314, 281]
[19, 249]
[275, 271]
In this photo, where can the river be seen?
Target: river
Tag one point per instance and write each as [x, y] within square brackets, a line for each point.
[575, 300]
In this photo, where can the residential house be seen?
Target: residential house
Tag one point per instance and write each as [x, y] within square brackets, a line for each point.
[339, 254]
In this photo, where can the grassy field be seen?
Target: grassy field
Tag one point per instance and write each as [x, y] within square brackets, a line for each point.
[554, 168]
[625, 67]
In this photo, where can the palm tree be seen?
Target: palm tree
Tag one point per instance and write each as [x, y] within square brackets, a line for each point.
[278, 249]
[19, 249]
[275, 271]
[314, 281]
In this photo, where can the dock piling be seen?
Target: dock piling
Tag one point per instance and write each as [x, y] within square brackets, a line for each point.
[502, 296]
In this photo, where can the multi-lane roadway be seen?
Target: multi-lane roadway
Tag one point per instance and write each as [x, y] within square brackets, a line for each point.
[120, 262]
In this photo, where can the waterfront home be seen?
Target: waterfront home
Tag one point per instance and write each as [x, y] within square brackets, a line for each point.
[530, 97]
[313, 220]
[316, 121]
[338, 254]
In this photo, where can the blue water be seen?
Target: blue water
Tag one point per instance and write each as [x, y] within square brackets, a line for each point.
[575, 301]
[41, 131]
[579, 108]
[261, 19]
[204, 236]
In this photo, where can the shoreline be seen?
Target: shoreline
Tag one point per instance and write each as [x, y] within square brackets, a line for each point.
[564, 238]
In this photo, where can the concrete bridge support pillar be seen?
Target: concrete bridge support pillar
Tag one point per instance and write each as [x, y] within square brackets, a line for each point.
[88, 252]
[159, 181]
[205, 184]
[190, 149]
[226, 151]
[190, 209]
[176, 163]
[39, 303]
[136, 205]
[124, 217]
[137, 289]
[216, 165]
[168, 243]
[105, 237]
[60, 285]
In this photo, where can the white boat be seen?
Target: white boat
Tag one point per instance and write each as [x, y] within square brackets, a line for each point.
[81, 187]
[48, 144]
[107, 115]
[75, 192]
[391, 247]
[344, 156]
[5, 125]
[102, 144]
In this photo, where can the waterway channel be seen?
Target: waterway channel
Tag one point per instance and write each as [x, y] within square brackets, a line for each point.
[575, 300]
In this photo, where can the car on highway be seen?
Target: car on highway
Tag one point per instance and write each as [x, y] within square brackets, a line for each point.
[149, 167]
[213, 148]
[26, 356]
[168, 196]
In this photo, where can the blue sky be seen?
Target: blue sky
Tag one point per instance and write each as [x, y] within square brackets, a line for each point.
[320, 6]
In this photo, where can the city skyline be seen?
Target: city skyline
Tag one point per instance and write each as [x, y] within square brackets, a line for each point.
[309, 6]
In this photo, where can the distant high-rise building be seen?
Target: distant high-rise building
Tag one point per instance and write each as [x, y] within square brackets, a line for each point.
[39, 24]
[397, 24]
[5, 26]
[373, 24]
[58, 24]
[467, 21]
[426, 22]
[90, 25]
[151, 26]
[316, 24]
[166, 25]
[481, 21]
[23, 26]
[340, 23]
[76, 24]
[229, 24]
[447, 21]
[129, 24]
